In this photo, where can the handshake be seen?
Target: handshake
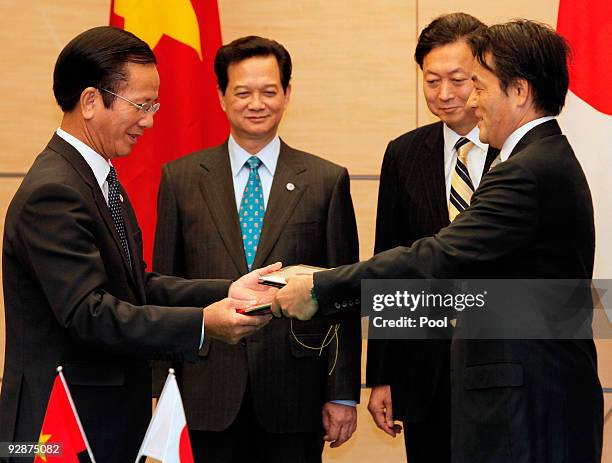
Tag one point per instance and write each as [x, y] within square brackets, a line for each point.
[223, 320]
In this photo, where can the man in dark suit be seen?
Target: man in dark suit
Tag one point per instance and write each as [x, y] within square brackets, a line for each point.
[532, 400]
[275, 397]
[75, 288]
[410, 380]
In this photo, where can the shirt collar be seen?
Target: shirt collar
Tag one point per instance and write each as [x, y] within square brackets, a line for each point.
[451, 137]
[268, 155]
[518, 134]
[99, 166]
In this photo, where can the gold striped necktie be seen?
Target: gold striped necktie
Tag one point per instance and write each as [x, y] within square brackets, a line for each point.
[461, 184]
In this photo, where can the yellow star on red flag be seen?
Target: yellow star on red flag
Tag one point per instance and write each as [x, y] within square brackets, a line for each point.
[43, 440]
[150, 19]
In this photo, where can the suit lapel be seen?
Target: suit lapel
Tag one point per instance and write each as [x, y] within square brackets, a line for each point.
[434, 182]
[110, 225]
[79, 164]
[282, 201]
[131, 227]
[491, 155]
[217, 189]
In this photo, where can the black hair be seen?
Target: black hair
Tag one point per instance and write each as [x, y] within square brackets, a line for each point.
[248, 47]
[97, 58]
[529, 50]
[445, 29]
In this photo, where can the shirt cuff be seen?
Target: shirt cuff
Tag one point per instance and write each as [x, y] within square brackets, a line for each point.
[202, 335]
[348, 403]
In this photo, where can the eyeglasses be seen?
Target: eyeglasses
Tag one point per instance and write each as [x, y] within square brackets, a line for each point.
[143, 107]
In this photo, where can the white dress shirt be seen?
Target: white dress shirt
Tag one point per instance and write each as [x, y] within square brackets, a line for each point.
[99, 166]
[240, 172]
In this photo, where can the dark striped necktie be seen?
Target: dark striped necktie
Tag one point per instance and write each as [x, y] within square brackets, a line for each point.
[461, 184]
[114, 204]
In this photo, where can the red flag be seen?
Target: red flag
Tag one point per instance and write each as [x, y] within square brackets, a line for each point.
[587, 118]
[62, 426]
[587, 26]
[185, 36]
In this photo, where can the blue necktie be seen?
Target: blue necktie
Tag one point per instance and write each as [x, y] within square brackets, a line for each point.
[252, 211]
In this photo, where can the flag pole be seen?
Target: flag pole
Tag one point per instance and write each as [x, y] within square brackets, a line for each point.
[60, 369]
[150, 428]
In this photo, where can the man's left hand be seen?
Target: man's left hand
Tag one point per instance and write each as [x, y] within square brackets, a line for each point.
[247, 287]
[339, 422]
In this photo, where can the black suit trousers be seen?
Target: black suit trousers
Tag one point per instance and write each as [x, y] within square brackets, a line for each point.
[246, 440]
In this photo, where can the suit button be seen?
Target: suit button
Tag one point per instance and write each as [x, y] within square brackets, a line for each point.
[351, 303]
[344, 304]
[337, 305]
[357, 301]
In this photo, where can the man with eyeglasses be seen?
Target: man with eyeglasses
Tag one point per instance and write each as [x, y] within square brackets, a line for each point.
[75, 286]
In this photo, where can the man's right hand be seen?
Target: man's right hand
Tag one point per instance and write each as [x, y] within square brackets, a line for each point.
[380, 407]
[222, 322]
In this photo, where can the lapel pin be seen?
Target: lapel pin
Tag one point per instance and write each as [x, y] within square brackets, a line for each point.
[290, 186]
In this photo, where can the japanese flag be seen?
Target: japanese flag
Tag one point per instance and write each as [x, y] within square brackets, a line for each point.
[587, 118]
[167, 438]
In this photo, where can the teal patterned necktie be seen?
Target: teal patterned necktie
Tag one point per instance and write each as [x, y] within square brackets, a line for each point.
[252, 211]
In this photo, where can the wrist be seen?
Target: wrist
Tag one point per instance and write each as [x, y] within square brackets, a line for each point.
[313, 295]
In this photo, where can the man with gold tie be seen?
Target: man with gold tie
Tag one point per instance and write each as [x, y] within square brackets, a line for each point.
[428, 177]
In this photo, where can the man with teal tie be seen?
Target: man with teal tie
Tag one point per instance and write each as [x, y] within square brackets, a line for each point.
[252, 211]
[237, 206]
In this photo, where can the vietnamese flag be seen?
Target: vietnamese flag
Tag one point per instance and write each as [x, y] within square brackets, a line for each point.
[587, 118]
[185, 36]
[62, 426]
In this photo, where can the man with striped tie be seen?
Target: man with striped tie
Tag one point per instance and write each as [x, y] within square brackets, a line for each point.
[427, 179]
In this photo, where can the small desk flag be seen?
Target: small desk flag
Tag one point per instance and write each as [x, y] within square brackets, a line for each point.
[167, 439]
[62, 426]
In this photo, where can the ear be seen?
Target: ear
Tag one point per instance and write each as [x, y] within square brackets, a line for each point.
[287, 94]
[522, 91]
[89, 101]
[221, 100]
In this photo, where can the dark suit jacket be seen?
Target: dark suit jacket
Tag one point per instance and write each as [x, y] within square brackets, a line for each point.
[198, 235]
[532, 217]
[411, 205]
[72, 300]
